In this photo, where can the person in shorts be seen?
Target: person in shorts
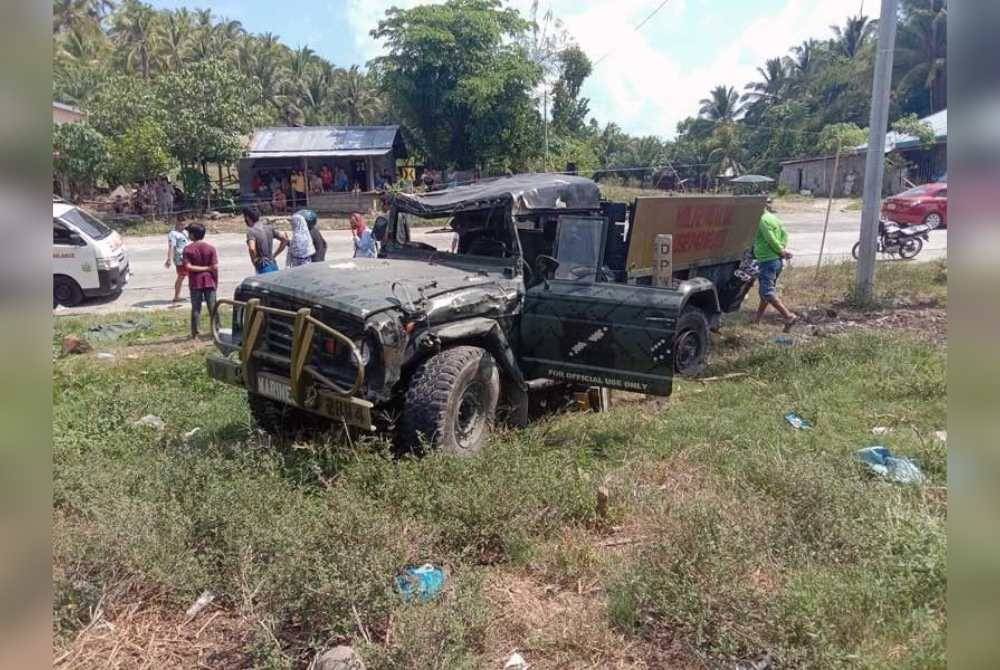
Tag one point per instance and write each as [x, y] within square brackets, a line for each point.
[202, 263]
[770, 250]
[177, 240]
[260, 241]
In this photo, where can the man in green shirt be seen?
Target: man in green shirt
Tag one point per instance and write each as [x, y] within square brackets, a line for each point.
[770, 250]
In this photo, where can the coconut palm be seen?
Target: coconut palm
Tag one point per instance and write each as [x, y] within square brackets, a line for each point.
[82, 15]
[920, 55]
[261, 59]
[133, 30]
[357, 99]
[853, 36]
[316, 92]
[174, 39]
[804, 58]
[723, 104]
[773, 85]
[726, 154]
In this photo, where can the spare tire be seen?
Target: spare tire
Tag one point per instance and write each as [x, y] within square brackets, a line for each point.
[451, 401]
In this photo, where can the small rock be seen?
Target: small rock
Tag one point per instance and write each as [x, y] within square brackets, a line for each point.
[881, 430]
[339, 658]
[515, 662]
[151, 421]
[105, 355]
[203, 601]
[74, 344]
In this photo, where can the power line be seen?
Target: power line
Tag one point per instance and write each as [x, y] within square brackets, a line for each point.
[637, 27]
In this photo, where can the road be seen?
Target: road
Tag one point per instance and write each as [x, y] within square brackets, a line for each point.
[151, 284]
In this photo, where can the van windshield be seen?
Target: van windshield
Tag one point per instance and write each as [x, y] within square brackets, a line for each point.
[88, 224]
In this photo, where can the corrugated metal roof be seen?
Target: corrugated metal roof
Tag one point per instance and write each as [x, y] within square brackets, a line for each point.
[323, 140]
[342, 153]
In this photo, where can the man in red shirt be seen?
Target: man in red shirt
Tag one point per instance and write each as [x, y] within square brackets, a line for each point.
[202, 263]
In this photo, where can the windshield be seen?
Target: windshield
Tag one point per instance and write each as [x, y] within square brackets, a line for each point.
[578, 249]
[86, 223]
[475, 233]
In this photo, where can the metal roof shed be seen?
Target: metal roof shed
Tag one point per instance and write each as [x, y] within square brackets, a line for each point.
[361, 151]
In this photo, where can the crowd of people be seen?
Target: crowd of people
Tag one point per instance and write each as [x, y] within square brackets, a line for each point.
[153, 197]
[198, 261]
[286, 189]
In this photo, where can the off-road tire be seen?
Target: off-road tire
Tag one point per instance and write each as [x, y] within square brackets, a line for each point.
[65, 291]
[451, 402]
[691, 342]
[283, 421]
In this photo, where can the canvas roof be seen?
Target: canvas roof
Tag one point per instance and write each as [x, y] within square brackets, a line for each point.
[286, 142]
[524, 192]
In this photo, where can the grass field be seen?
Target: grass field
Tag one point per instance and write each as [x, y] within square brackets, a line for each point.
[725, 535]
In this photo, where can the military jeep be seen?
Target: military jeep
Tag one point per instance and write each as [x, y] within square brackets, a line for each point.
[484, 297]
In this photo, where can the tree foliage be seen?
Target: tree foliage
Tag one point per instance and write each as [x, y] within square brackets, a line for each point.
[456, 76]
[140, 153]
[81, 153]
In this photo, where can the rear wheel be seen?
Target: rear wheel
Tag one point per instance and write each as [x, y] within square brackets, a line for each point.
[910, 247]
[65, 291]
[691, 342]
[451, 401]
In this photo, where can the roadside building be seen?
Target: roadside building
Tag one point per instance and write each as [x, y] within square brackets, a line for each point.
[922, 164]
[335, 169]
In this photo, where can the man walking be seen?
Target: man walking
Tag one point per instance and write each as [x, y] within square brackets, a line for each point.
[177, 240]
[202, 263]
[319, 243]
[770, 250]
[260, 241]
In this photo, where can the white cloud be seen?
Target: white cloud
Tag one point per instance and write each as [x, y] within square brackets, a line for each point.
[640, 84]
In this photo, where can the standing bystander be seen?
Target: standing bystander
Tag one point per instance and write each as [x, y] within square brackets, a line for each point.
[202, 263]
[770, 250]
[260, 241]
[177, 239]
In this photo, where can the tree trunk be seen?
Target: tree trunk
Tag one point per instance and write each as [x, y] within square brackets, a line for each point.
[208, 186]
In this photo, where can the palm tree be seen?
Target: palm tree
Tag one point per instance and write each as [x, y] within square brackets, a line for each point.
[358, 100]
[77, 47]
[174, 39]
[723, 104]
[68, 15]
[726, 153]
[317, 89]
[261, 59]
[773, 85]
[920, 56]
[134, 33]
[856, 32]
[802, 62]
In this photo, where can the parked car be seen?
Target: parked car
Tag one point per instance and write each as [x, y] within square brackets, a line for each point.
[923, 204]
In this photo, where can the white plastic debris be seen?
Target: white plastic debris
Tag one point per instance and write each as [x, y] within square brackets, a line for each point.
[203, 601]
[515, 662]
[191, 433]
[881, 430]
[105, 355]
[151, 421]
[941, 435]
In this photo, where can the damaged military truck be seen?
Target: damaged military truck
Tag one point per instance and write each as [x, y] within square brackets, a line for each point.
[482, 298]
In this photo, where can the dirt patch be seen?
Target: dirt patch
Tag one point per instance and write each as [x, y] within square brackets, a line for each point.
[141, 629]
[925, 321]
[553, 627]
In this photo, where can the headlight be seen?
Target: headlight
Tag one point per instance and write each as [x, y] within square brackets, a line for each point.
[366, 348]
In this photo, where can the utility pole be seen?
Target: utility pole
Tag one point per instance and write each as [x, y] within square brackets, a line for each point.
[829, 204]
[545, 127]
[875, 160]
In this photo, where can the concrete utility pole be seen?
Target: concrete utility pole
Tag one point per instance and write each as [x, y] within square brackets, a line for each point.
[875, 160]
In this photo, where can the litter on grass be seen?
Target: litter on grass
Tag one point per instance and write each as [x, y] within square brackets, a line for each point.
[881, 461]
[421, 582]
[515, 662]
[797, 421]
[881, 430]
[109, 332]
[784, 340]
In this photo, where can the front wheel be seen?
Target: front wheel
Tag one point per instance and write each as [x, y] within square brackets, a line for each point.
[691, 342]
[66, 292]
[451, 401]
[910, 247]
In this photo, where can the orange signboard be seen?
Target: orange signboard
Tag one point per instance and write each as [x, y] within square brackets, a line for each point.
[705, 229]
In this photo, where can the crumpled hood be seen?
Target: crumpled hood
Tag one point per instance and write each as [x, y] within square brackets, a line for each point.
[362, 286]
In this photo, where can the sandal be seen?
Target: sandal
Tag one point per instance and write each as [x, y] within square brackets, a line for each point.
[791, 322]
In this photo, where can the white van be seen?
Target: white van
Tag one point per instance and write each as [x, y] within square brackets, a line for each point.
[88, 258]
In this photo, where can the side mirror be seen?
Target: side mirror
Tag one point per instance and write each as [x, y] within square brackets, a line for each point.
[545, 267]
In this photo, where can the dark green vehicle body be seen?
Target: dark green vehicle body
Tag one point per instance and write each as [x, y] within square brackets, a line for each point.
[537, 280]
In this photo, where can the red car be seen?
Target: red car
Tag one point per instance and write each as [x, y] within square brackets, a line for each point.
[923, 204]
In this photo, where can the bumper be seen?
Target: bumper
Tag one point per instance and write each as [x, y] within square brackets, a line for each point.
[109, 282]
[304, 387]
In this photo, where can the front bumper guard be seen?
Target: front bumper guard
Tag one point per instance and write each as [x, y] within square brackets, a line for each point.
[304, 378]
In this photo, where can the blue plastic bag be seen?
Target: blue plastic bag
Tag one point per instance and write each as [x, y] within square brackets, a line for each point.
[420, 582]
[881, 461]
[797, 421]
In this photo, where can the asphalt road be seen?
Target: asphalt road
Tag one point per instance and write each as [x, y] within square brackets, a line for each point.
[151, 284]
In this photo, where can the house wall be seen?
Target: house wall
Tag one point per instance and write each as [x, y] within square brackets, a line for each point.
[815, 175]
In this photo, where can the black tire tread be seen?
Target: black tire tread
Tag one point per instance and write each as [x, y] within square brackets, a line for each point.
[426, 402]
[692, 313]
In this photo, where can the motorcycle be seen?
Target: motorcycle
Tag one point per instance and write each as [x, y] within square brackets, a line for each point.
[895, 240]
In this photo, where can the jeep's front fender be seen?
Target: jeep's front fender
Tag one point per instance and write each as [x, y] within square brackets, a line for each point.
[701, 293]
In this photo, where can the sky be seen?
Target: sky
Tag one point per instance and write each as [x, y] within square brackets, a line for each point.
[646, 81]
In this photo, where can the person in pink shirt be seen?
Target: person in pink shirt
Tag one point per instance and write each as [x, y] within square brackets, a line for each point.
[202, 263]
